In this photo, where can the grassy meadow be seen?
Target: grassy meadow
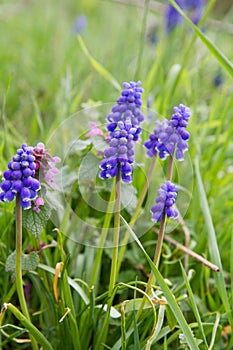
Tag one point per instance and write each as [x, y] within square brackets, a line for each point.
[86, 262]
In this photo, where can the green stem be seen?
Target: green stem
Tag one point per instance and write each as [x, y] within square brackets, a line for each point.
[18, 262]
[161, 229]
[28, 325]
[103, 334]
[107, 219]
[158, 250]
[136, 213]
[113, 273]
[159, 244]
[75, 334]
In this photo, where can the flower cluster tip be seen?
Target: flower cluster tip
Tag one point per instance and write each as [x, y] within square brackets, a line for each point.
[20, 178]
[123, 124]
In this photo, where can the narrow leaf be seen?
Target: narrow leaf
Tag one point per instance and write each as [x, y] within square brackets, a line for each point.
[158, 327]
[71, 282]
[213, 245]
[194, 306]
[98, 67]
[168, 295]
[224, 61]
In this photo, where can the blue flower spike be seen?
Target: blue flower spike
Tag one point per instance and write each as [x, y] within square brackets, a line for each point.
[123, 124]
[170, 137]
[19, 178]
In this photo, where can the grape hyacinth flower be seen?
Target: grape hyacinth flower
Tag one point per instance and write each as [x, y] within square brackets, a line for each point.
[166, 199]
[20, 178]
[80, 24]
[170, 137]
[174, 138]
[154, 138]
[127, 110]
[124, 129]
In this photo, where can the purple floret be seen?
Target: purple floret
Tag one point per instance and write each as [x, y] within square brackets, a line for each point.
[165, 200]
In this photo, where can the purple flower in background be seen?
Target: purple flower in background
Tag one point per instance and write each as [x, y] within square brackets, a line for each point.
[20, 178]
[27, 289]
[79, 24]
[218, 79]
[165, 200]
[193, 8]
[124, 129]
[170, 137]
[172, 17]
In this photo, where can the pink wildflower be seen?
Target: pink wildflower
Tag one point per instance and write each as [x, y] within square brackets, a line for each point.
[94, 130]
[45, 164]
[38, 202]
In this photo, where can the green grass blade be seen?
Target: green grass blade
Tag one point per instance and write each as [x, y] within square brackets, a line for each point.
[214, 50]
[123, 327]
[67, 296]
[158, 327]
[142, 40]
[98, 67]
[28, 325]
[194, 306]
[169, 296]
[135, 333]
[216, 324]
[213, 245]
[38, 115]
[231, 267]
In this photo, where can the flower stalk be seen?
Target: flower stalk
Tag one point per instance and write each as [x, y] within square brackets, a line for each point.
[28, 325]
[18, 265]
[113, 273]
[103, 235]
[161, 232]
[136, 214]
